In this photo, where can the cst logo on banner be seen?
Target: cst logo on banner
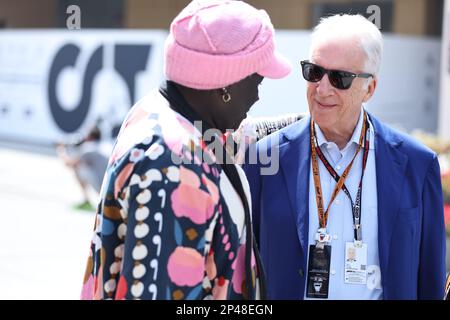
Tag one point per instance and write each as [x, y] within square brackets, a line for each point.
[55, 84]
[128, 61]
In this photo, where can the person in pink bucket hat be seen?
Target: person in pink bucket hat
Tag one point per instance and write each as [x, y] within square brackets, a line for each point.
[174, 217]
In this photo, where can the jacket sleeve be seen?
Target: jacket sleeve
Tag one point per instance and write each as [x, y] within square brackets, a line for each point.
[432, 248]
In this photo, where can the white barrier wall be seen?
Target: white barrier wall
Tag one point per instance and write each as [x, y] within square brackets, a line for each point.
[57, 83]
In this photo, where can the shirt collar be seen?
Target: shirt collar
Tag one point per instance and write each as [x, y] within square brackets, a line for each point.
[322, 141]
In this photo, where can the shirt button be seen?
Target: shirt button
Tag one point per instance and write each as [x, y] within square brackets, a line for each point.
[338, 201]
[333, 272]
[335, 237]
[301, 273]
[338, 167]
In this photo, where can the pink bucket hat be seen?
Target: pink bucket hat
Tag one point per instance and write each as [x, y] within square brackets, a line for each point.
[215, 43]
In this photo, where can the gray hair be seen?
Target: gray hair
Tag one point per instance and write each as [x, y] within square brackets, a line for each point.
[348, 26]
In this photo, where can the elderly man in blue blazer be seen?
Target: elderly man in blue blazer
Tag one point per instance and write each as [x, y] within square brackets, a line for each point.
[355, 209]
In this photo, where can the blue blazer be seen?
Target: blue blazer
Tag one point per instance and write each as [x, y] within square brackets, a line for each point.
[411, 234]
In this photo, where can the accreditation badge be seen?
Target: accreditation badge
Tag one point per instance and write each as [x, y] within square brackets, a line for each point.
[318, 271]
[355, 263]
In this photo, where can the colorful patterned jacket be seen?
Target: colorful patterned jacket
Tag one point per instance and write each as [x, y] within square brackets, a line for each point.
[169, 224]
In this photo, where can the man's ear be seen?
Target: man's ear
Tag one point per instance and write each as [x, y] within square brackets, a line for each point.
[370, 89]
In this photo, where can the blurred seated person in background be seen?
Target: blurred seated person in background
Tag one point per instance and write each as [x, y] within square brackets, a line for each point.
[88, 163]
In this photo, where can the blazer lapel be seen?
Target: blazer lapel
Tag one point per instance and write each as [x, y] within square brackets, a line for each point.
[294, 163]
[390, 170]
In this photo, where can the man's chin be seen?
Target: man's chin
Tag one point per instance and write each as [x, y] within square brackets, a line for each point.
[323, 112]
[320, 119]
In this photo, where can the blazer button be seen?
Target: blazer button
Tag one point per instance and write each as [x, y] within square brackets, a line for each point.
[301, 273]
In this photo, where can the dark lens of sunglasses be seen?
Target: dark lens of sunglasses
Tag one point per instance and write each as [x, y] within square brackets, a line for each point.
[312, 73]
[340, 80]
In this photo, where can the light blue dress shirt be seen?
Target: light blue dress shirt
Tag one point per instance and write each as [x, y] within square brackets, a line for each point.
[340, 219]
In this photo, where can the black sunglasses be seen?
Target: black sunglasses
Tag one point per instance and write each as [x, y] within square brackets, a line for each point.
[338, 79]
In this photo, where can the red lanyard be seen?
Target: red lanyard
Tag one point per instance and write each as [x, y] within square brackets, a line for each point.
[340, 180]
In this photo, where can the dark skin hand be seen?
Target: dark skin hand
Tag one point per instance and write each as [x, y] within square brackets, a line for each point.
[219, 114]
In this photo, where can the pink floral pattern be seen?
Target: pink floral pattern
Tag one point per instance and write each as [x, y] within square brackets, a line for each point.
[186, 267]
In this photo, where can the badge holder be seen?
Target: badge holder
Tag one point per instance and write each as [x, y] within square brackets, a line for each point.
[319, 266]
[355, 271]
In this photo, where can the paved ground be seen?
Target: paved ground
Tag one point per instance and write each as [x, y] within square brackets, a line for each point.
[43, 242]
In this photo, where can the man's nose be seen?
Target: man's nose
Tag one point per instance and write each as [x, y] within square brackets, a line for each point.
[324, 87]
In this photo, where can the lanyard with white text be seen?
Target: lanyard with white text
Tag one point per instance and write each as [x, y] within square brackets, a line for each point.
[340, 180]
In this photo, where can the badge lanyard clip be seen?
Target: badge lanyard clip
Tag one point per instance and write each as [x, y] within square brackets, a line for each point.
[322, 238]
